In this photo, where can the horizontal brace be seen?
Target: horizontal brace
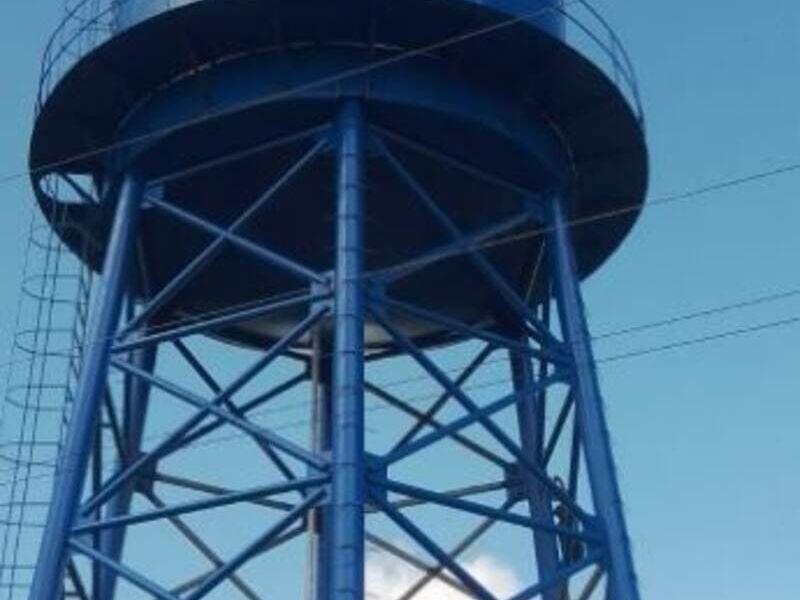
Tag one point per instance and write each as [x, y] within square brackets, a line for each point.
[257, 250]
[128, 574]
[476, 332]
[200, 505]
[211, 324]
[479, 509]
[207, 488]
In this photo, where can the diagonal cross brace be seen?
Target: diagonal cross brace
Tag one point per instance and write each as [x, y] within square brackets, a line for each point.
[483, 265]
[224, 236]
[166, 445]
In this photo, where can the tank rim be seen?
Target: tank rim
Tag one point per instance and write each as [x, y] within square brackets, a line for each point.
[592, 116]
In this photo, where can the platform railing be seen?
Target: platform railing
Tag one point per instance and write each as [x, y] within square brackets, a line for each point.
[89, 23]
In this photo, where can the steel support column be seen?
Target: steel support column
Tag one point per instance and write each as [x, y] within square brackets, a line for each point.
[589, 406]
[539, 499]
[347, 508]
[319, 521]
[68, 485]
[137, 397]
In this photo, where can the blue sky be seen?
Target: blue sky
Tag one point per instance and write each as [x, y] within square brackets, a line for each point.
[706, 436]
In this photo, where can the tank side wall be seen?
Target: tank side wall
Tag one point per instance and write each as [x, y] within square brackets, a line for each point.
[131, 12]
[545, 14]
[542, 13]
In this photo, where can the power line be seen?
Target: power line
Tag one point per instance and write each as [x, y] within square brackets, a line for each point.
[683, 196]
[599, 216]
[605, 360]
[701, 340]
[785, 295]
[288, 93]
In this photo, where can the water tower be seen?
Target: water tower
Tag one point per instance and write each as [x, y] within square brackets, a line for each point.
[357, 188]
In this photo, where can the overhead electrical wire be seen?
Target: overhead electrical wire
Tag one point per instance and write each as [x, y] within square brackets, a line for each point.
[493, 383]
[791, 167]
[692, 194]
[293, 91]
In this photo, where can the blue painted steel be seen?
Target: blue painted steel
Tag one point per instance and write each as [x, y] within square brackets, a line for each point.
[589, 407]
[223, 237]
[117, 522]
[128, 574]
[47, 583]
[432, 548]
[546, 13]
[137, 400]
[318, 579]
[256, 547]
[539, 499]
[348, 461]
[475, 508]
[168, 444]
[438, 133]
[209, 325]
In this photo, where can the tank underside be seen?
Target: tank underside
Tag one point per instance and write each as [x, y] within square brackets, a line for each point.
[516, 104]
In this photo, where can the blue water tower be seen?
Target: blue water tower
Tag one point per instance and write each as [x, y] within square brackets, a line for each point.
[350, 186]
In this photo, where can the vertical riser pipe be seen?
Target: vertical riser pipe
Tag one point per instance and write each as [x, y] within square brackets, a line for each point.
[347, 510]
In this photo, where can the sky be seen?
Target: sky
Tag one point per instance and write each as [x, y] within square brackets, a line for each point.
[705, 436]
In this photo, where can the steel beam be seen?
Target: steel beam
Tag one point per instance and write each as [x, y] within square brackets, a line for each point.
[223, 236]
[173, 441]
[347, 508]
[48, 579]
[129, 575]
[136, 402]
[437, 406]
[319, 519]
[479, 261]
[432, 548]
[589, 408]
[255, 548]
[539, 499]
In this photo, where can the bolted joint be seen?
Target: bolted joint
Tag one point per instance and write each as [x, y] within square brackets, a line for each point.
[325, 290]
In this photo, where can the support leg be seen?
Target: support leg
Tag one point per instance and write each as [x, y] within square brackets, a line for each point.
[539, 498]
[589, 407]
[347, 508]
[319, 522]
[67, 488]
[137, 395]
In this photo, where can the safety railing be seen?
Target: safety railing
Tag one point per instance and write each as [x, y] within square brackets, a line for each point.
[89, 23]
